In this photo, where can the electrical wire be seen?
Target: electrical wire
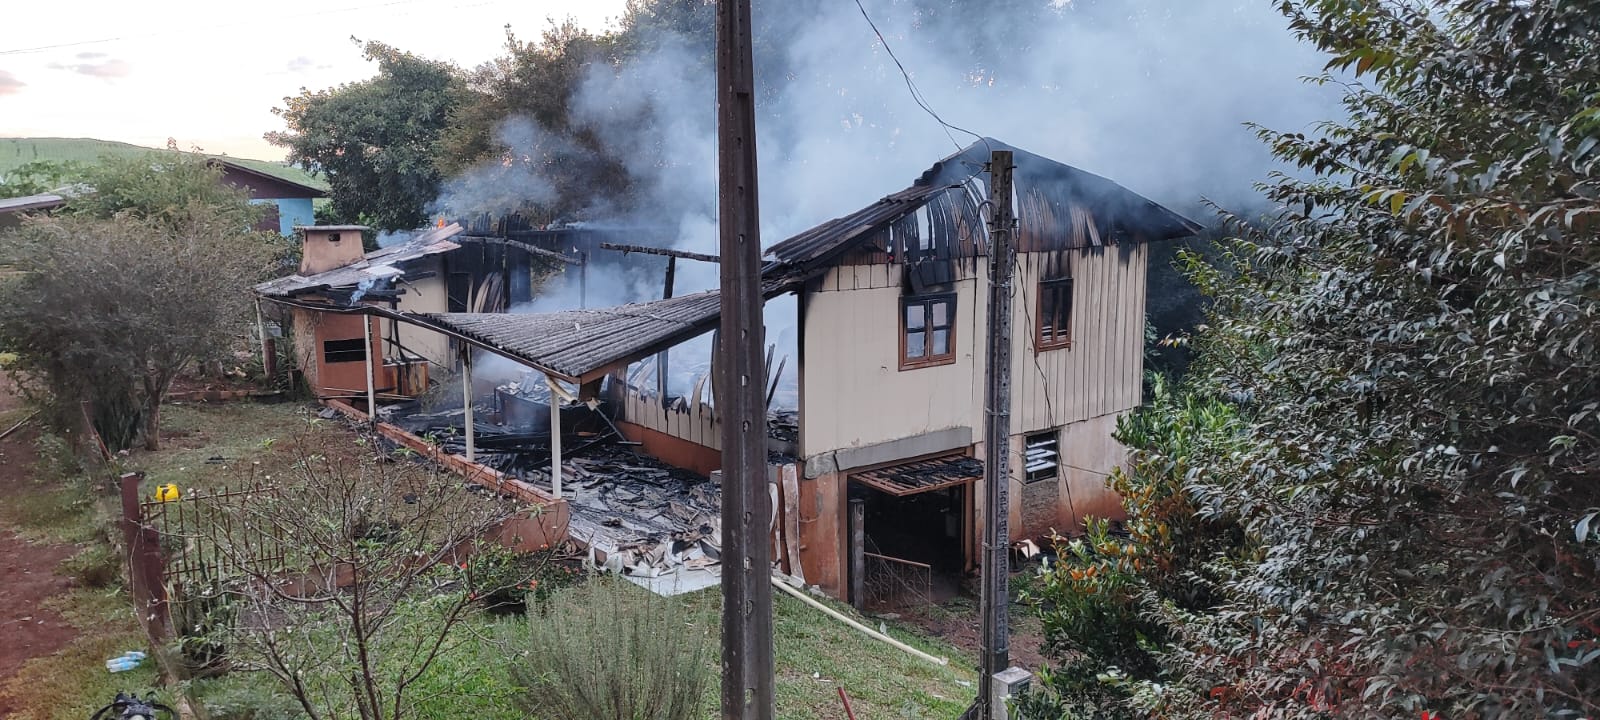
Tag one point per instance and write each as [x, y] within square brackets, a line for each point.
[912, 86]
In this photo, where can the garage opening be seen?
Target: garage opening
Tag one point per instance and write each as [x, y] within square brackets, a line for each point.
[916, 519]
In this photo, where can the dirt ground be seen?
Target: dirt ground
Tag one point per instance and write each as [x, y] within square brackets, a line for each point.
[957, 622]
[27, 570]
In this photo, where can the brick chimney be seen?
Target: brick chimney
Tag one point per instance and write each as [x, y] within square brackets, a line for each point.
[326, 247]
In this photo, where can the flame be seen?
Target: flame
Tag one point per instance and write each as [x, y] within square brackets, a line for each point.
[441, 222]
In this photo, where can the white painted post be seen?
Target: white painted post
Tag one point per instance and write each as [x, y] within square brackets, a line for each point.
[555, 436]
[466, 400]
[372, 388]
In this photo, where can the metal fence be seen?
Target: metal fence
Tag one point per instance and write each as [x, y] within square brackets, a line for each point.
[890, 583]
[203, 537]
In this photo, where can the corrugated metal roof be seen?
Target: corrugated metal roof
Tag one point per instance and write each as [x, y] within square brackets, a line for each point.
[576, 344]
[580, 345]
[826, 241]
[30, 202]
[378, 264]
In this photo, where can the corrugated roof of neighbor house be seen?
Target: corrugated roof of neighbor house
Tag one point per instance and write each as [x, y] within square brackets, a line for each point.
[378, 264]
[31, 202]
[581, 344]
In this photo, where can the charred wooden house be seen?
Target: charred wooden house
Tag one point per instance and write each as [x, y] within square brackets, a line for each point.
[890, 317]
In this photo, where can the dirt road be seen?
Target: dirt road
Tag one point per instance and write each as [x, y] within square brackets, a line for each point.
[28, 571]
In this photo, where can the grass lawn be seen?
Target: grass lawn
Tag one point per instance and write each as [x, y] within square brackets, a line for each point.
[209, 446]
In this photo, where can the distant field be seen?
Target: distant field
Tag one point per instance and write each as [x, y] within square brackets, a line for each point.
[15, 152]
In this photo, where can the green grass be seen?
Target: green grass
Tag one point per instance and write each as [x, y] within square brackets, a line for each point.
[73, 682]
[15, 152]
[209, 446]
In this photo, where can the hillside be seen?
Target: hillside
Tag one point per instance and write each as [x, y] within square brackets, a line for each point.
[15, 152]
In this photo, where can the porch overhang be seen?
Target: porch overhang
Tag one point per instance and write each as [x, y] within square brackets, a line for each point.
[914, 477]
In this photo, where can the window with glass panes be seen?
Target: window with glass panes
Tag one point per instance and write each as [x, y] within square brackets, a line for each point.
[927, 324]
[1055, 314]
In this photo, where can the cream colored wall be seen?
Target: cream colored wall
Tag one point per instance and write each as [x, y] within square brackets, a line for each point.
[854, 393]
[1102, 372]
[696, 423]
[426, 295]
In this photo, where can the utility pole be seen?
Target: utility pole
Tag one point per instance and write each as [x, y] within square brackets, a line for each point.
[997, 436]
[747, 687]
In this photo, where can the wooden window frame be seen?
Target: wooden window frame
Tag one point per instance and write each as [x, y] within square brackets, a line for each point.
[345, 350]
[1059, 338]
[927, 302]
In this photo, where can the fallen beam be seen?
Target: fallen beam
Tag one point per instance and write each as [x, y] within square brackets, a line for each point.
[535, 249]
[646, 250]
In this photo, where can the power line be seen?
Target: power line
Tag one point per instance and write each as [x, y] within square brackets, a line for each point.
[912, 86]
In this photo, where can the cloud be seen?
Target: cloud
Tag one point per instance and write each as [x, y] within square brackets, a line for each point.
[107, 70]
[9, 84]
[91, 55]
[302, 63]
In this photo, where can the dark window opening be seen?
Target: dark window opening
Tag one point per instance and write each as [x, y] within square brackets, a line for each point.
[336, 351]
[458, 291]
[1040, 458]
[1055, 314]
[927, 325]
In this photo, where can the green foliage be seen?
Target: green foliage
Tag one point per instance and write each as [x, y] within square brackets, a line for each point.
[608, 649]
[142, 276]
[96, 566]
[231, 699]
[500, 579]
[1367, 501]
[38, 177]
[377, 140]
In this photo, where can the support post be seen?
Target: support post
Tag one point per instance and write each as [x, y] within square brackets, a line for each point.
[858, 553]
[747, 669]
[555, 437]
[372, 388]
[269, 353]
[145, 565]
[583, 278]
[466, 401]
[661, 359]
[995, 652]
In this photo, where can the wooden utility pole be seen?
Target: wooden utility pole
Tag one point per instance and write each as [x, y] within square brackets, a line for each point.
[746, 507]
[996, 649]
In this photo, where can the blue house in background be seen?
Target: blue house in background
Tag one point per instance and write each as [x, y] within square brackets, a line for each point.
[290, 198]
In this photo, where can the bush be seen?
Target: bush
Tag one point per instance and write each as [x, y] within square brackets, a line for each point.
[96, 566]
[237, 698]
[608, 649]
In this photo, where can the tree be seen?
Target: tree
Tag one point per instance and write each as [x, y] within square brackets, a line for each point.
[114, 298]
[392, 558]
[377, 140]
[1409, 344]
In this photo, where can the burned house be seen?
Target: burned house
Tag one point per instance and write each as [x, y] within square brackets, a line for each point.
[890, 311]
[327, 304]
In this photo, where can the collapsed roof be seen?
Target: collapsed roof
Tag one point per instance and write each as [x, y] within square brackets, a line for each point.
[382, 264]
[1059, 207]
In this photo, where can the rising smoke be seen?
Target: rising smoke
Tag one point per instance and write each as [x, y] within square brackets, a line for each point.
[1150, 93]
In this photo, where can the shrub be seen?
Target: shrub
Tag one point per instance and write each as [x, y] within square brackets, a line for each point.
[96, 566]
[238, 698]
[608, 649]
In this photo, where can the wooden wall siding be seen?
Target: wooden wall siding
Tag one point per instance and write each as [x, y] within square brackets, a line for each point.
[854, 392]
[698, 425]
[426, 295]
[1101, 373]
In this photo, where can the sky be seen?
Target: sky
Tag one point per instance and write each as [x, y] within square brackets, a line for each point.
[208, 73]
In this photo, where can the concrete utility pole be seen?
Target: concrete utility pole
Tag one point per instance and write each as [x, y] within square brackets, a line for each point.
[997, 437]
[746, 508]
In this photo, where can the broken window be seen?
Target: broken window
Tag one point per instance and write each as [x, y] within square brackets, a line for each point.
[1055, 313]
[1039, 457]
[336, 351]
[927, 324]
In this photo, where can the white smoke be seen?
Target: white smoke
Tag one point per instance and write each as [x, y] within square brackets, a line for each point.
[1152, 94]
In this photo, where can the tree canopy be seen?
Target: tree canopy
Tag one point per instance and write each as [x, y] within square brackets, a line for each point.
[377, 140]
[1374, 496]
